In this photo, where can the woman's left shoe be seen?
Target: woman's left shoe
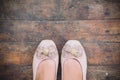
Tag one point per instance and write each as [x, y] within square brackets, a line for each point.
[46, 50]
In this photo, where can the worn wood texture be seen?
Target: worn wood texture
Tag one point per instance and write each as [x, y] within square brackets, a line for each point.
[100, 38]
[25, 72]
[30, 10]
[59, 9]
[93, 31]
[22, 53]
[95, 23]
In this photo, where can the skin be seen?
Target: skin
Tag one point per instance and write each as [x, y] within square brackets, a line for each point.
[71, 70]
[45, 73]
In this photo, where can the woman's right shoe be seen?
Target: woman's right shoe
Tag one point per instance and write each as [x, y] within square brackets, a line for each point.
[74, 50]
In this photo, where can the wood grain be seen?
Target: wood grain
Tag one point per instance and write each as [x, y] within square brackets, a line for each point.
[22, 53]
[59, 9]
[25, 72]
[28, 10]
[24, 23]
[93, 31]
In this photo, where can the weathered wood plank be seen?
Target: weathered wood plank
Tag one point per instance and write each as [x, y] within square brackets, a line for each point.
[22, 53]
[16, 58]
[74, 9]
[104, 11]
[15, 72]
[28, 10]
[59, 9]
[111, 11]
[17, 53]
[93, 31]
[102, 53]
[103, 73]
[20, 37]
[11, 9]
[90, 9]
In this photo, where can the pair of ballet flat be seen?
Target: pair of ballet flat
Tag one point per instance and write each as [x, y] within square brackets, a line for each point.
[72, 50]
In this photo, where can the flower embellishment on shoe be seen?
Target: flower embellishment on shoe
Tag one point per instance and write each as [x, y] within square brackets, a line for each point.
[46, 52]
[71, 51]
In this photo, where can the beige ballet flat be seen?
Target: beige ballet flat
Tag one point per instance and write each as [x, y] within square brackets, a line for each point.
[74, 50]
[45, 50]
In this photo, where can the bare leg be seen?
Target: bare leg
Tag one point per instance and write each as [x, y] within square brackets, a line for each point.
[46, 70]
[72, 70]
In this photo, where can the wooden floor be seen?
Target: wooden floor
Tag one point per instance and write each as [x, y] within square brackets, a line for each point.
[95, 23]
